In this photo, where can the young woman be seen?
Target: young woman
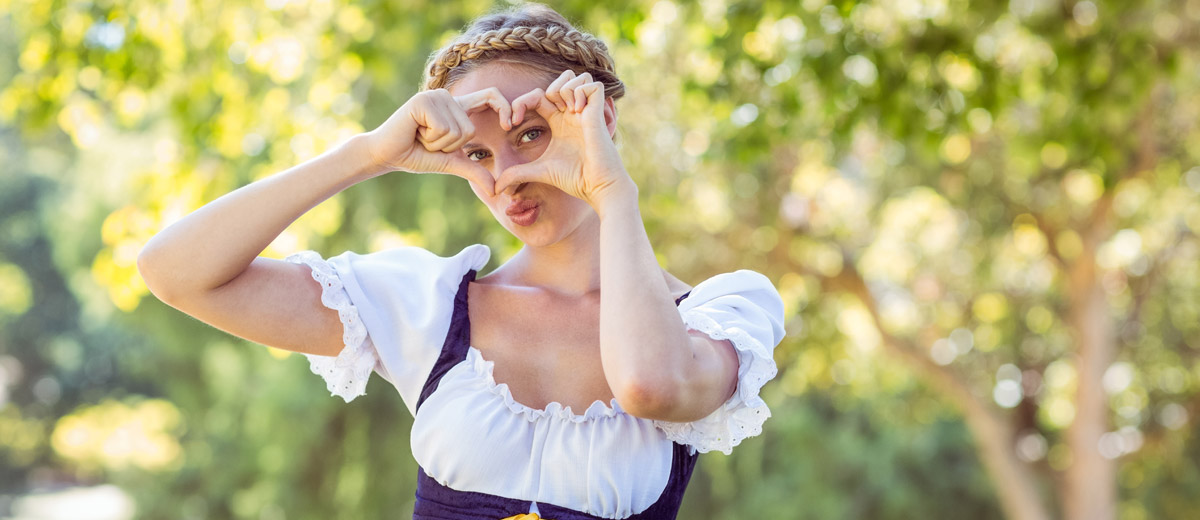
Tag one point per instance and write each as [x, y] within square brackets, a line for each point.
[577, 380]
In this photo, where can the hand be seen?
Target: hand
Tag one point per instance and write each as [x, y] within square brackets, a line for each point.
[427, 134]
[581, 159]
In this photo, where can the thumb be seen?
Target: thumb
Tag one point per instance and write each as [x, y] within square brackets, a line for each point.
[518, 174]
[474, 173]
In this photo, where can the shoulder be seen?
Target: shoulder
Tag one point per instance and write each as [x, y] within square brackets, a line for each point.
[740, 296]
[414, 259]
[405, 299]
[678, 287]
[740, 281]
[744, 283]
[406, 268]
[405, 281]
[744, 308]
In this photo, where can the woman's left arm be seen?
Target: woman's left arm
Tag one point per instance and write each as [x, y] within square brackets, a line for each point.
[654, 366]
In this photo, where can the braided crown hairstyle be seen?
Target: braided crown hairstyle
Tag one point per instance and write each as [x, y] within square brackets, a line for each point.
[531, 35]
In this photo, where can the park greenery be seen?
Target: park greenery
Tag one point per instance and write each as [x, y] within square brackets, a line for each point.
[982, 217]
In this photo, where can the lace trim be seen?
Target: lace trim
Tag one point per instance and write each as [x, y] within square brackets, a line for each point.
[345, 375]
[555, 410]
[743, 415]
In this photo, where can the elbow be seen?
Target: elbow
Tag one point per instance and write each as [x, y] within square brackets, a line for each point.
[655, 397]
[148, 266]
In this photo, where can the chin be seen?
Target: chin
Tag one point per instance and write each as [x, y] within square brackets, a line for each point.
[540, 234]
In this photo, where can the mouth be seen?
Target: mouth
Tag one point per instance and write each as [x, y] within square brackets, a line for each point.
[523, 212]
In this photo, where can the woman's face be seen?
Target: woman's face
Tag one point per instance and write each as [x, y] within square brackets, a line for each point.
[537, 214]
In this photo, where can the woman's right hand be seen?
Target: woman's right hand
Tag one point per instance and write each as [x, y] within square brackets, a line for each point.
[427, 134]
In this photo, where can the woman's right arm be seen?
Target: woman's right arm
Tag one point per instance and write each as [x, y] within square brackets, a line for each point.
[207, 263]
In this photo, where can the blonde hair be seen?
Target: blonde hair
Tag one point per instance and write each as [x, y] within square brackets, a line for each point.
[531, 35]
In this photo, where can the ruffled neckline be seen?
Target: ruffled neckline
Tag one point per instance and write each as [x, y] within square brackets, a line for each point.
[555, 410]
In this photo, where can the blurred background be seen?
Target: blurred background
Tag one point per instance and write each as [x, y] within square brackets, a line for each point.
[982, 218]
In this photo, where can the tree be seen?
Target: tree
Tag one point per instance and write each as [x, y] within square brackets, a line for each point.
[1001, 195]
[1001, 189]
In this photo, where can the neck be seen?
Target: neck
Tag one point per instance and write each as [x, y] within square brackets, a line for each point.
[569, 266]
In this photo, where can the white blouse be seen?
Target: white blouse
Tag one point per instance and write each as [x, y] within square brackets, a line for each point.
[470, 435]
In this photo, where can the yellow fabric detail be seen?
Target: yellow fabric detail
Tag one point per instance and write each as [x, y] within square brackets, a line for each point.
[526, 516]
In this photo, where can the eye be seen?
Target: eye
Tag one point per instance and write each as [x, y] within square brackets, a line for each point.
[531, 135]
[477, 155]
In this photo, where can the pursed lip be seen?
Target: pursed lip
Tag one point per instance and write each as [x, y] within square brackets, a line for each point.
[519, 206]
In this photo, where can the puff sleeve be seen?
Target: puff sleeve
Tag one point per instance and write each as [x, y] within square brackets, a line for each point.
[744, 308]
[395, 308]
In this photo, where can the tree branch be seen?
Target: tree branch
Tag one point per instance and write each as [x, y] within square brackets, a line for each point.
[1048, 230]
[1014, 480]
[1157, 264]
[852, 282]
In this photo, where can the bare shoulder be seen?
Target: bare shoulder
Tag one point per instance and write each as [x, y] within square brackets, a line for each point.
[677, 287]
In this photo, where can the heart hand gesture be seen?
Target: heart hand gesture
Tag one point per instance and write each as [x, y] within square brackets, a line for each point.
[581, 158]
[427, 134]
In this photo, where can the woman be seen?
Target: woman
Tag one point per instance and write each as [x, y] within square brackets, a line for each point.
[495, 368]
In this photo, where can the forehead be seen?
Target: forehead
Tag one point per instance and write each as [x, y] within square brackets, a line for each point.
[513, 80]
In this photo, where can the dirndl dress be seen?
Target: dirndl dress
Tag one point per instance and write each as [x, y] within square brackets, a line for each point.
[483, 455]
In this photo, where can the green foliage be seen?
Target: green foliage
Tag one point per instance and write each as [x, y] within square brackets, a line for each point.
[955, 158]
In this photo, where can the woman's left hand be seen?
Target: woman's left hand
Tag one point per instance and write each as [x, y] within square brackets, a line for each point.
[581, 159]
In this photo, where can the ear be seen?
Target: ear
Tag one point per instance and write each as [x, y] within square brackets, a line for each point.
[610, 116]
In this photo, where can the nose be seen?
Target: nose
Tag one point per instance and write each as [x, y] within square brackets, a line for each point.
[504, 158]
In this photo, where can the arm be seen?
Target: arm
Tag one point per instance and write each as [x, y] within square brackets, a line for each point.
[655, 368]
[207, 263]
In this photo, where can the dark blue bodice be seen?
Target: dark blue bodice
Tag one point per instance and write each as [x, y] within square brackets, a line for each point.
[438, 502]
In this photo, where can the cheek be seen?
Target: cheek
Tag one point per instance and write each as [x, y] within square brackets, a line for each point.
[488, 201]
[573, 209]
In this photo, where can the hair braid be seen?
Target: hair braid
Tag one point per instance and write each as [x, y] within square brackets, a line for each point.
[575, 49]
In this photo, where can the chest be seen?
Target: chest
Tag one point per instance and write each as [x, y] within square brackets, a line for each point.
[545, 347]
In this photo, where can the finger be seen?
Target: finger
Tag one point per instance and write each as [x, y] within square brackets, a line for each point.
[568, 90]
[533, 100]
[581, 98]
[444, 128]
[466, 128]
[443, 143]
[518, 174]
[438, 142]
[593, 95]
[432, 126]
[553, 92]
[488, 98]
[426, 135]
[458, 144]
[473, 172]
